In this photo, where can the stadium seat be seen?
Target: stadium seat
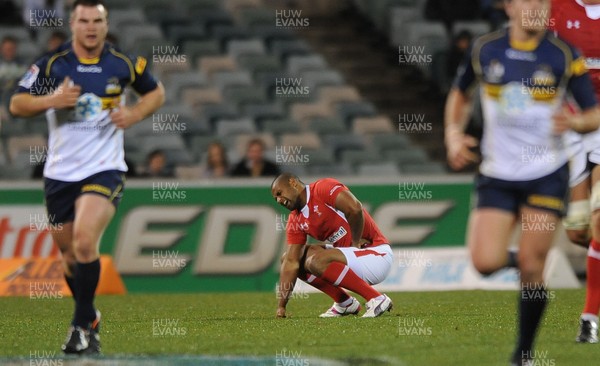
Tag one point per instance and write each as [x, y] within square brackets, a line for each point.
[350, 110]
[178, 81]
[196, 49]
[120, 17]
[263, 111]
[323, 156]
[326, 125]
[476, 27]
[28, 51]
[234, 6]
[341, 142]
[214, 112]
[179, 34]
[176, 156]
[258, 63]
[400, 16]
[223, 79]
[162, 141]
[372, 125]
[298, 64]
[253, 16]
[9, 172]
[338, 93]
[357, 157]
[303, 112]
[27, 144]
[209, 65]
[389, 141]
[225, 32]
[330, 170]
[316, 78]
[414, 155]
[237, 47]
[13, 127]
[235, 127]
[241, 95]
[270, 33]
[200, 4]
[432, 167]
[194, 97]
[280, 126]
[134, 32]
[307, 140]
[286, 48]
[20, 33]
[197, 145]
[378, 169]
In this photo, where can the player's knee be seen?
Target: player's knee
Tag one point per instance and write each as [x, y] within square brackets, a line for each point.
[531, 266]
[84, 247]
[486, 267]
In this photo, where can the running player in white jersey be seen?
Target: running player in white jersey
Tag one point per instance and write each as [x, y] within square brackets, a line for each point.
[80, 88]
[525, 73]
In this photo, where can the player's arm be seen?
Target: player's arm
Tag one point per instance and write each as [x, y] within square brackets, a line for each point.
[456, 116]
[149, 102]
[25, 104]
[353, 210]
[290, 267]
[581, 88]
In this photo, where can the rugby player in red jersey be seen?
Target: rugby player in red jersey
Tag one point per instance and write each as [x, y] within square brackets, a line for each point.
[356, 254]
[578, 22]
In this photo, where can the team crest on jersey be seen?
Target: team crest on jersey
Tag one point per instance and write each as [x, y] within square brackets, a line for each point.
[573, 24]
[30, 77]
[494, 72]
[88, 107]
[513, 100]
[113, 86]
[543, 76]
[316, 210]
[304, 226]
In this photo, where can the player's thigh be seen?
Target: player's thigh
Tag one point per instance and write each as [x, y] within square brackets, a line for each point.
[538, 229]
[318, 257]
[92, 215]
[490, 230]
[372, 264]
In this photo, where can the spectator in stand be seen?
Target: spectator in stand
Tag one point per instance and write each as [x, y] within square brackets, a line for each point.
[56, 39]
[11, 67]
[156, 165]
[254, 164]
[449, 11]
[216, 164]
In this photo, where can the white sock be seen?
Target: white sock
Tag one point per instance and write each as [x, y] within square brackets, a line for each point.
[589, 317]
[347, 302]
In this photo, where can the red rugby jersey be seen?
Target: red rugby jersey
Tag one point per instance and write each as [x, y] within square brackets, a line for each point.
[322, 221]
[570, 20]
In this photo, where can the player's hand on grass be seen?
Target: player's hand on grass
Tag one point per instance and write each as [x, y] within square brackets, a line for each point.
[66, 95]
[124, 117]
[459, 153]
[281, 312]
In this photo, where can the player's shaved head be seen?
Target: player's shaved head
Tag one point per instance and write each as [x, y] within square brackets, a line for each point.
[89, 3]
[284, 178]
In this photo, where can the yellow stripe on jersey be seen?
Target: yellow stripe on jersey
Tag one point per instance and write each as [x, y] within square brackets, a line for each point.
[52, 59]
[492, 90]
[127, 61]
[111, 102]
[528, 45]
[578, 67]
[545, 202]
[89, 61]
[97, 188]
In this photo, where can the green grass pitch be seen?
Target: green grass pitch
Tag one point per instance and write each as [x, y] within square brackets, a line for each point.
[425, 328]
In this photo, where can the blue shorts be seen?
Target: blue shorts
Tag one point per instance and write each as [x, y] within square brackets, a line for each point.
[60, 196]
[548, 193]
